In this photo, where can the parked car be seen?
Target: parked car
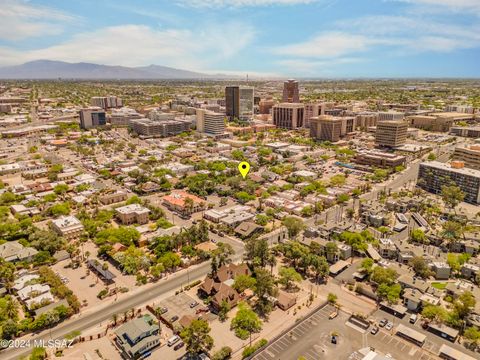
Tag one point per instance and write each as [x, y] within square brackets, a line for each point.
[389, 326]
[374, 330]
[163, 310]
[221, 234]
[382, 322]
[174, 318]
[178, 346]
[193, 304]
[333, 315]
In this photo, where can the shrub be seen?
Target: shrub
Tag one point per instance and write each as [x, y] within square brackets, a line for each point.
[250, 350]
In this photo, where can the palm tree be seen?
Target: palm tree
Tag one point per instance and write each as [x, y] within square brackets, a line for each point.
[271, 261]
[115, 319]
[11, 307]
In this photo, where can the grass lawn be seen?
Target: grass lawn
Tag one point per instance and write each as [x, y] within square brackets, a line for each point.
[439, 285]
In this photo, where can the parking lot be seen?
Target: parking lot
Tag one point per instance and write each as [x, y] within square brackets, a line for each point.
[179, 305]
[311, 339]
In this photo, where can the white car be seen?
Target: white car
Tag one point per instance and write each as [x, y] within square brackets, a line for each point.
[389, 326]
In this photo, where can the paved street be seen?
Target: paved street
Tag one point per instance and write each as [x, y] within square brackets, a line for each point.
[86, 321]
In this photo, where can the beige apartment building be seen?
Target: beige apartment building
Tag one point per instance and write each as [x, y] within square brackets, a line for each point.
[470, 155]
[68, 227]
[113, 198]
[132, 214]
[391, 133]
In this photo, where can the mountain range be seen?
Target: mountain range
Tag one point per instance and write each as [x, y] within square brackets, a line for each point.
[48, 69]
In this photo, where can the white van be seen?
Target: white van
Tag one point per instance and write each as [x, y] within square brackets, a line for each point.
[174, 339]
[413, 318]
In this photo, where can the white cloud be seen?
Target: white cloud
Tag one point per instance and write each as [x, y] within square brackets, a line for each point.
[20, 20]
[136, 45]
[326, 45]
[458, 5]
[240, 3]
[308, 67]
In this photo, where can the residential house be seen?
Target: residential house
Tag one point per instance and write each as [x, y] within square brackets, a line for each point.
[219, 287]
[137, 337]
[14, 251]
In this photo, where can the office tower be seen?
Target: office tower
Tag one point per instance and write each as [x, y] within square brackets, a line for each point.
[92, 117]
[266, 105]
[391, 133]
[288, 115]
[246, 103]
[472, 131]
[106, 102]
[150, 128]
[312, 110]
[433, 175]
[326, 128]
[290, 92]
[200, 114]
[365, 120]
[390, 116]
[232, 102]
[214, 123]
[469, 155]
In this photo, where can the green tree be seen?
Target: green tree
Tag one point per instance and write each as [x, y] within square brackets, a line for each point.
[60, 189]
[294, 226]
[418, 236]
[420, 266]
[265, 287]
[223, 311]
[382, 275]
[223, 354]
[332, 298]
[367, 265]
[452, 196]
[243, 282]
[197, 337]
[288, 277]
[435, 313]
[464, 304]
[256, 251]
[245, 322]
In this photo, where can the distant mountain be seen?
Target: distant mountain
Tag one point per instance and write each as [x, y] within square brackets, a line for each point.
[47, 69]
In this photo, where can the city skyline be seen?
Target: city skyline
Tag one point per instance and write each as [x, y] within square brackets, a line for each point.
[268, 38]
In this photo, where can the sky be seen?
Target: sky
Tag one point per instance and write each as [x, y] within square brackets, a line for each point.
[285, 38]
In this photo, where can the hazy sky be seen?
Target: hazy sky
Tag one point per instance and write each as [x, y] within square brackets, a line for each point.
[302, 38]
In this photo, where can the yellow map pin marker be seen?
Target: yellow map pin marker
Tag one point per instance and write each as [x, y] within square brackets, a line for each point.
[244, 168]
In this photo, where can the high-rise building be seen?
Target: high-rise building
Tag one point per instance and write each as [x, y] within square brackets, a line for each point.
[232, 102]
[246, 103]
[239, 102]
[326, 128]
[288, 115]
[266, 105]
[365, 120]
[92, 117]
[469, 155]
[433, 175]
[150, 128]
[390, 116]
[200, 115]
[106, 102]
[214, 123]
[312, 110]
[471, 131]
[290, 92]
[391, 133]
